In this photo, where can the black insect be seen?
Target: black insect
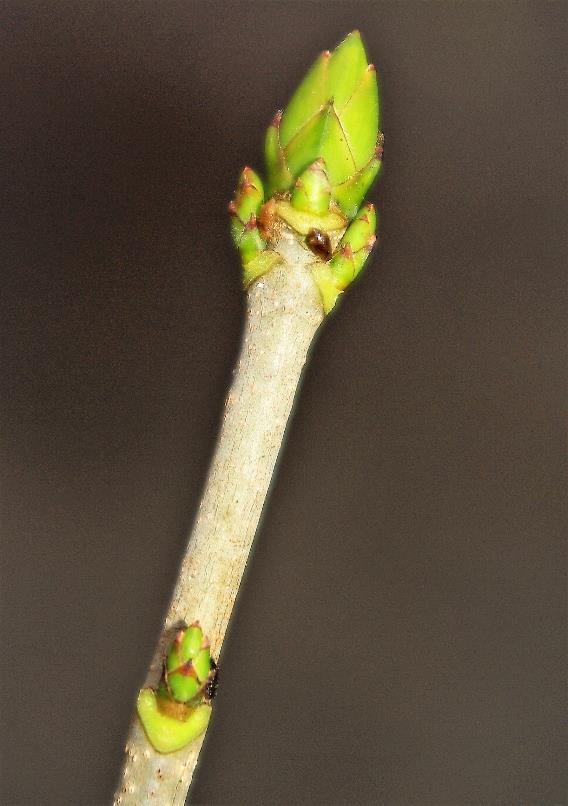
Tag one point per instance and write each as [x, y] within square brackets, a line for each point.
[318, 242]
[211, 685]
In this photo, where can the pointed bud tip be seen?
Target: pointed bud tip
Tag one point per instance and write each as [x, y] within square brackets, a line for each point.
[277, 118]
[251, 223]
[353, 36]
[326, 54]
[371, 68]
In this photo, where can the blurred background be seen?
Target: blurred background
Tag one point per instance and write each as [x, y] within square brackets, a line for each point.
[400, 637]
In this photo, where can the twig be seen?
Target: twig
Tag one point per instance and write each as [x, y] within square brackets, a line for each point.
[300, 249]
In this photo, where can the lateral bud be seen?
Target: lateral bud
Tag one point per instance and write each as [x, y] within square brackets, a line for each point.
[244, 209]
[312, 190]
[354, 247]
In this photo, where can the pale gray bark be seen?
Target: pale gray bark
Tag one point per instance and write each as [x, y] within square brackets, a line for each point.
[284, 312]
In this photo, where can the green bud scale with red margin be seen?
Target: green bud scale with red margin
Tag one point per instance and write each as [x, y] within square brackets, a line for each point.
[179, 710]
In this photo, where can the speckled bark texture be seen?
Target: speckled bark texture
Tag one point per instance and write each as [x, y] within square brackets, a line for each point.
[284, 312]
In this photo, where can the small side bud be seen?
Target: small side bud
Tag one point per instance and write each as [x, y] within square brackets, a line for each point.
[354, 247]
[249, 195]
[244, 209]
[312, 191]
[188, 664]
[361, 228]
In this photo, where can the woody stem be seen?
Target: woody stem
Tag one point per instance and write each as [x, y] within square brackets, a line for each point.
[284, 311]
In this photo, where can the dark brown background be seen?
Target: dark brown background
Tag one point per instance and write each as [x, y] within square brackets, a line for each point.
[400, 636]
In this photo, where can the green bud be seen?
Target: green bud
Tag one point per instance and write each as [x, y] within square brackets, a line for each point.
[354, 247]
[188, 663]
[249, 195]
[322, 154]
[169, 733]
[334, 116]
[311, 192]
[244, 209]
[361, 229]
[348, 259]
